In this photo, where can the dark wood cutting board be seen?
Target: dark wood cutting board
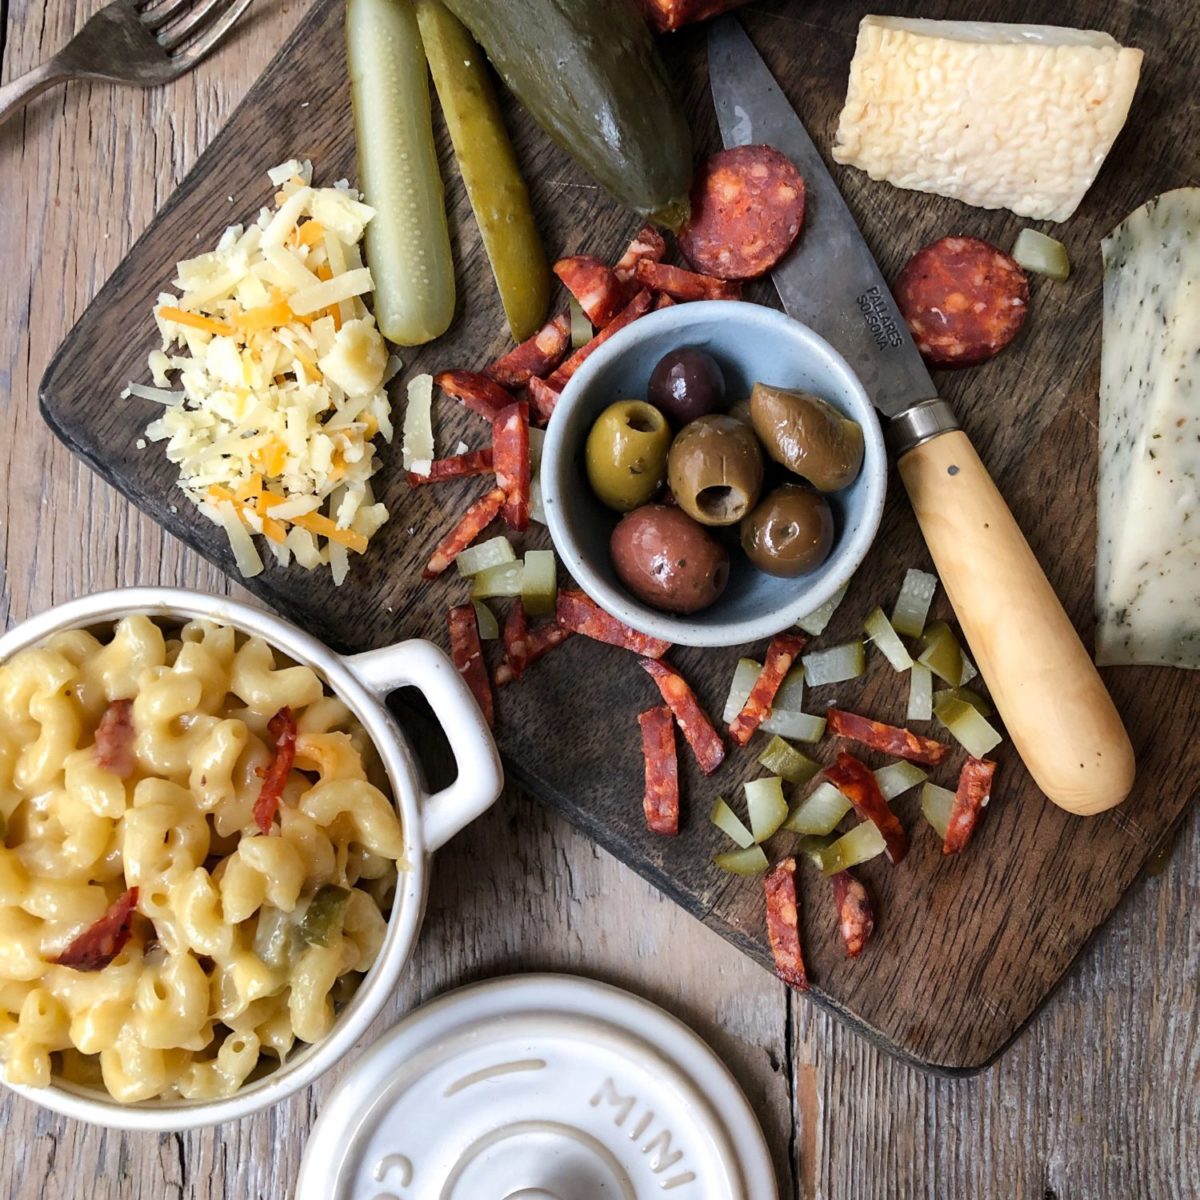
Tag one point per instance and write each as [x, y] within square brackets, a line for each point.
[966, 949]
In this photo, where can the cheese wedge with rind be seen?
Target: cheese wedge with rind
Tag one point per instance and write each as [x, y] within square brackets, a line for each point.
[1148, 520]
[996, 115]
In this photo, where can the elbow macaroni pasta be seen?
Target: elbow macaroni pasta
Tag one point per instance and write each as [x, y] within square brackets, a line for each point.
[241, 943]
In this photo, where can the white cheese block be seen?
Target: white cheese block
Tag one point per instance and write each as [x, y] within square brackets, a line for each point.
[999, 116]
[1148, 523]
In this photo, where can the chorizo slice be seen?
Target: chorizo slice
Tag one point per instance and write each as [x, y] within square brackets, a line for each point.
[747, 212]
[637, 307]
[579, 613]
[535, 357]
[475, 391]
[104, 939]
[856, 918]
[114, 739]
[783, 925]
[783, 651]
[510, 450]
[660, 801]
[474, 521]
[963, 301]
[888, 739]
[704, 740]
[680, 284]
[648, 244]
[466, 651]
[595, 285]
[537, 642]
[858, 784]
[282, 727]
[457, 466]
[971, 798]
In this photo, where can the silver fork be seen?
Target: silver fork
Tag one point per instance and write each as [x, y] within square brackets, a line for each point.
[143, 42]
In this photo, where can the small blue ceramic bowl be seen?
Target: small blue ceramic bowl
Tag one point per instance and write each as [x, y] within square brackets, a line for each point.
[753, 344]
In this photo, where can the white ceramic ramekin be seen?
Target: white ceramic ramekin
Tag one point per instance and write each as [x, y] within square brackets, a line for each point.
[364, 682]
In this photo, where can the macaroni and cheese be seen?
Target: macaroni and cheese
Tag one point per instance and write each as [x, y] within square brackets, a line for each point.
[199, 847]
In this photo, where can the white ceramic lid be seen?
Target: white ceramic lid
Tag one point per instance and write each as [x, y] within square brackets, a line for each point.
[537, 1087]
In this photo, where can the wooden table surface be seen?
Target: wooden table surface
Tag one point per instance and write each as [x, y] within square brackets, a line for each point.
[1100, 1098]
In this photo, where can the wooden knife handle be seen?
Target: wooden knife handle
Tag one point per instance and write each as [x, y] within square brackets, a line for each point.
[1044, 683]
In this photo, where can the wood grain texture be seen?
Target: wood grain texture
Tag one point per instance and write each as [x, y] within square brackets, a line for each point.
[1057, 879]
[1095, 1102]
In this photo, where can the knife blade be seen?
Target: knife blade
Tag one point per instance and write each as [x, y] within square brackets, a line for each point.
[829, 281]
[1044, 683]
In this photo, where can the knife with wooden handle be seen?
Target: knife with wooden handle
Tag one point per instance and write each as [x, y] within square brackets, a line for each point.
[1044, 683]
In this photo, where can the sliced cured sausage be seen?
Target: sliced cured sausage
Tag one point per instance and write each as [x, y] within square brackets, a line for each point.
[747, 210]
[535, 357]
[667, 15]
[282, 727]
[974, 791]
[466, 651]
[784, 649]
[510, 450]
[648, 244]
[458, 466]
[579, 613]
[704, 740]
[660, 801]
[680, 284]
[595, 285]
[963, 301]
[856, 919]
[474, 521]
[783, 925]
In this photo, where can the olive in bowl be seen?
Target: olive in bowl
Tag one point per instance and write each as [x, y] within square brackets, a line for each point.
[808, 436]
[687, 383]
[715, 469]
[668, 560]
[751, 343]
[626, 454]
[790, 532]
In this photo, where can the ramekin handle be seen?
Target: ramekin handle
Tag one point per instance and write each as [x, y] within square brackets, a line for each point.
[422, 665]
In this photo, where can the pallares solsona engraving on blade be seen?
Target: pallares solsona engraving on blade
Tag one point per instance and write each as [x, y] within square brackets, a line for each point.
[829, 280]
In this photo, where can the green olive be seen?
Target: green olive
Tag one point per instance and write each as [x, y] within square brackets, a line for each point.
[790, 532]
[807, 435]
[716, 469]
[626, 454]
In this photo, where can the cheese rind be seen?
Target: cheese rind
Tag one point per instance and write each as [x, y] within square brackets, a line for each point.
[1148, 519]
[996, 115]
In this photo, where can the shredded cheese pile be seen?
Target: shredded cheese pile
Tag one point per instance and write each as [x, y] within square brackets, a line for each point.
[281, 379]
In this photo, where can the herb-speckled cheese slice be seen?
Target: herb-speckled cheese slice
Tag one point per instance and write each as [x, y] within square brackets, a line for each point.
[1148, 525]
[999, 116]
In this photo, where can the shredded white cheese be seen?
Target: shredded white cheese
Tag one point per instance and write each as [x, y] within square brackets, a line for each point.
[272, 379]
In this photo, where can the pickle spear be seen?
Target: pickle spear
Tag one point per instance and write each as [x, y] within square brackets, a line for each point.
[407, 241]
[498, 196]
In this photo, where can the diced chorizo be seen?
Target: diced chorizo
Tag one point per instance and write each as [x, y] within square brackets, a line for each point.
[114, 739]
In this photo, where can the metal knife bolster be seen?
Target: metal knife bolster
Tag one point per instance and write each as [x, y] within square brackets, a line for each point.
[919, 424]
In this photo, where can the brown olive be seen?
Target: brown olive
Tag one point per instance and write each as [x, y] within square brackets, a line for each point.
[790, 532]
[668, 560]
[715, 469]
[807, 435]
[687, 383]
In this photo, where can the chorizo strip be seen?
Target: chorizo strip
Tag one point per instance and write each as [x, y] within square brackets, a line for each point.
[474, 521]
[783, 925]
[595, 285]
[665, 16]
[458, 466]
[580, 614]
[543, 398]
[649, 244]
[510, 447]
[114, 739]
[104, 939]
[970, 799]
[535, 357]
[540, 641]
[856, 919]
[282, 727]
[660, 801]
[637, 307]
[466, 651]
[704, 740]
[474, 390]
[858, 784]
[783, 651]
[684, 285]
[888, 739]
